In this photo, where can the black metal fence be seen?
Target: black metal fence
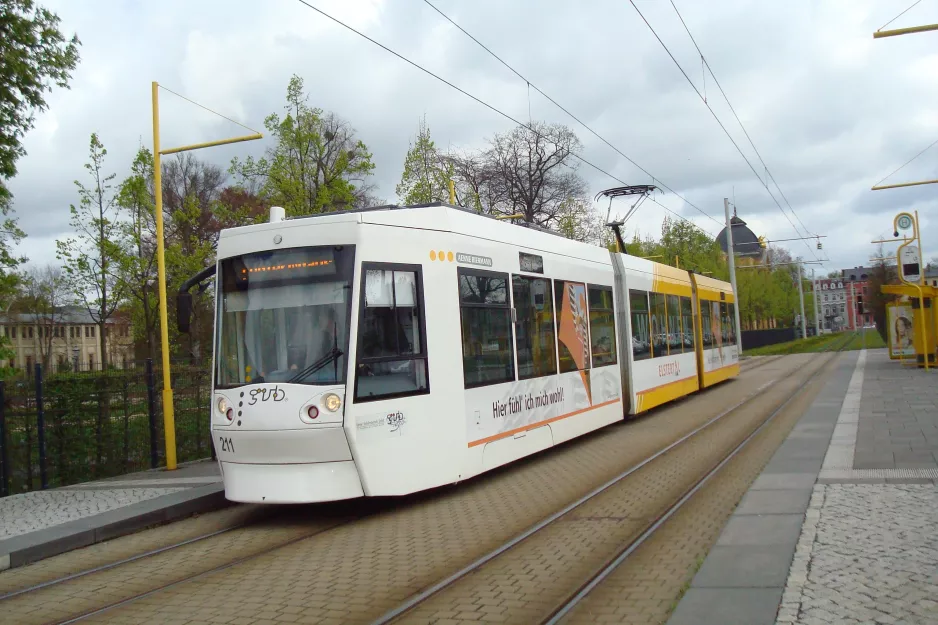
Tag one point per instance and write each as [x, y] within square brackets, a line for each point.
[66, 428]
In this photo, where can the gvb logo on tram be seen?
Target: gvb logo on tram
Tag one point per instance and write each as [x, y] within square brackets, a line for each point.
[346, 367]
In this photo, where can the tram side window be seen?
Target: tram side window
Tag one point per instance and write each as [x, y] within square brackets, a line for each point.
[724, 323]
[392, 354]
[534, 330]
[675, 334]
[659, 325]
[731, 321]
[602, 326]
[485, 317]
[641, 337]
[687, 321]
[706, 323]
[572, 326]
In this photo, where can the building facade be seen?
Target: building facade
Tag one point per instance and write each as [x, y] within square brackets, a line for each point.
[70, 339]
[857, 287]
[831, 303]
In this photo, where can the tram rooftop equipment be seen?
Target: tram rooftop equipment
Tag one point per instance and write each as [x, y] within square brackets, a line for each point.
[388, 350]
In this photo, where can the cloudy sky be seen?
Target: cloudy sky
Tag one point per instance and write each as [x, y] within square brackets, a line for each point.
[830, 109]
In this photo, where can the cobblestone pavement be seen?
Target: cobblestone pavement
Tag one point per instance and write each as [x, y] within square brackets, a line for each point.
[28, 512]
[868, 553]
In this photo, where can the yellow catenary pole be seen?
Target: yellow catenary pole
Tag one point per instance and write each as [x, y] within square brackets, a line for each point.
[169, 425]
[452, 192]
[879, 34]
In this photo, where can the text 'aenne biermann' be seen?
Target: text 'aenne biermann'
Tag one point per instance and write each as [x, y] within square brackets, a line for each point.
[518, 403]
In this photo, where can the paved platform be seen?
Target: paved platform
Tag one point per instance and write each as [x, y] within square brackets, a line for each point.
[41, 524]
[842, 525]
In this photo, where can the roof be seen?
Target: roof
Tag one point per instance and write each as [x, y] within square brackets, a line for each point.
[66, 315]
[857, 274]
[745, 242]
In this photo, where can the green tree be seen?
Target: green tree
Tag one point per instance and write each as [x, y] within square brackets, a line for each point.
[138, 263]
[693, 247]
[316, 164]
[92, 258]
[426, 172]
[34, 56]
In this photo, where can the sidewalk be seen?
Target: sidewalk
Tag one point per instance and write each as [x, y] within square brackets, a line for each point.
[41, 524]
[842, 525]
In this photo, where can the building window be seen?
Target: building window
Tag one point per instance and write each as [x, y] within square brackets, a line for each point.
[91, 362]
[87, 332]
[602, 326]
[29, 364]
[641, 337]
[30, 332]
[485, 320]
[572, 326]
[13, 332]
[534, 327]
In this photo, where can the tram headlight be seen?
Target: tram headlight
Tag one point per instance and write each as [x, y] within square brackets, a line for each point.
[222, 405]
[331, 402]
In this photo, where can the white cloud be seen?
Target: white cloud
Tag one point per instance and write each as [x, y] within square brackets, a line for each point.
[830, 109]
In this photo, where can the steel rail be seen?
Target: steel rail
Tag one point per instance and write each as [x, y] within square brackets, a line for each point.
[434, 589]
[605, 571]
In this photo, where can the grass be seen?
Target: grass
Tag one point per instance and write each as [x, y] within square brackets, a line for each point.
[870, 339]
[857, 340]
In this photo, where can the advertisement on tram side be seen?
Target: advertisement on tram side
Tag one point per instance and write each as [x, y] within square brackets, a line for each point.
[722, 350]
[497, 411]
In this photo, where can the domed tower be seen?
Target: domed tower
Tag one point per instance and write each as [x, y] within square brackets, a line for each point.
[745, 243]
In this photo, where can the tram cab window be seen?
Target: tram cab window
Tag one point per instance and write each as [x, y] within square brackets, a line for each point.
[392, 357]
[572, 326]
[485, 319]
[706, 323]
[641, 336]
[534, 328]
[659, 325]
[602, 326]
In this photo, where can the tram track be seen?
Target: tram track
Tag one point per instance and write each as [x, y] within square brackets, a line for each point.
[100, 576]
[242, 542]
[474, 583]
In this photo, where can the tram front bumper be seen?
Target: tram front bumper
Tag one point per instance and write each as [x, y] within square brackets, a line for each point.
[287, 466]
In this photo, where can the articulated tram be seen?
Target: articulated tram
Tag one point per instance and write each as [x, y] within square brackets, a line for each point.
[390, 350]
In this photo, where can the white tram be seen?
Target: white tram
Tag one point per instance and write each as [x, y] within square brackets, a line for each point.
[390, 350]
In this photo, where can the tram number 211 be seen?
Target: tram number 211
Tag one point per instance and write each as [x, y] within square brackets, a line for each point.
[226, 444]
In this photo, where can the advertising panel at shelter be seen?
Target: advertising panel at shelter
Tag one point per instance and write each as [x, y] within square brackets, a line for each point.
[901, 330]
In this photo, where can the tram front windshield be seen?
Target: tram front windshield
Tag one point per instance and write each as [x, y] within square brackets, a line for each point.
[283, 316]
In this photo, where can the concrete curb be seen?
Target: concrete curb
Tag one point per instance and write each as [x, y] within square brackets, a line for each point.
[52, 541]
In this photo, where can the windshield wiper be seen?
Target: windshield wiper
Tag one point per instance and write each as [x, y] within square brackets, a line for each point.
[333, 355]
